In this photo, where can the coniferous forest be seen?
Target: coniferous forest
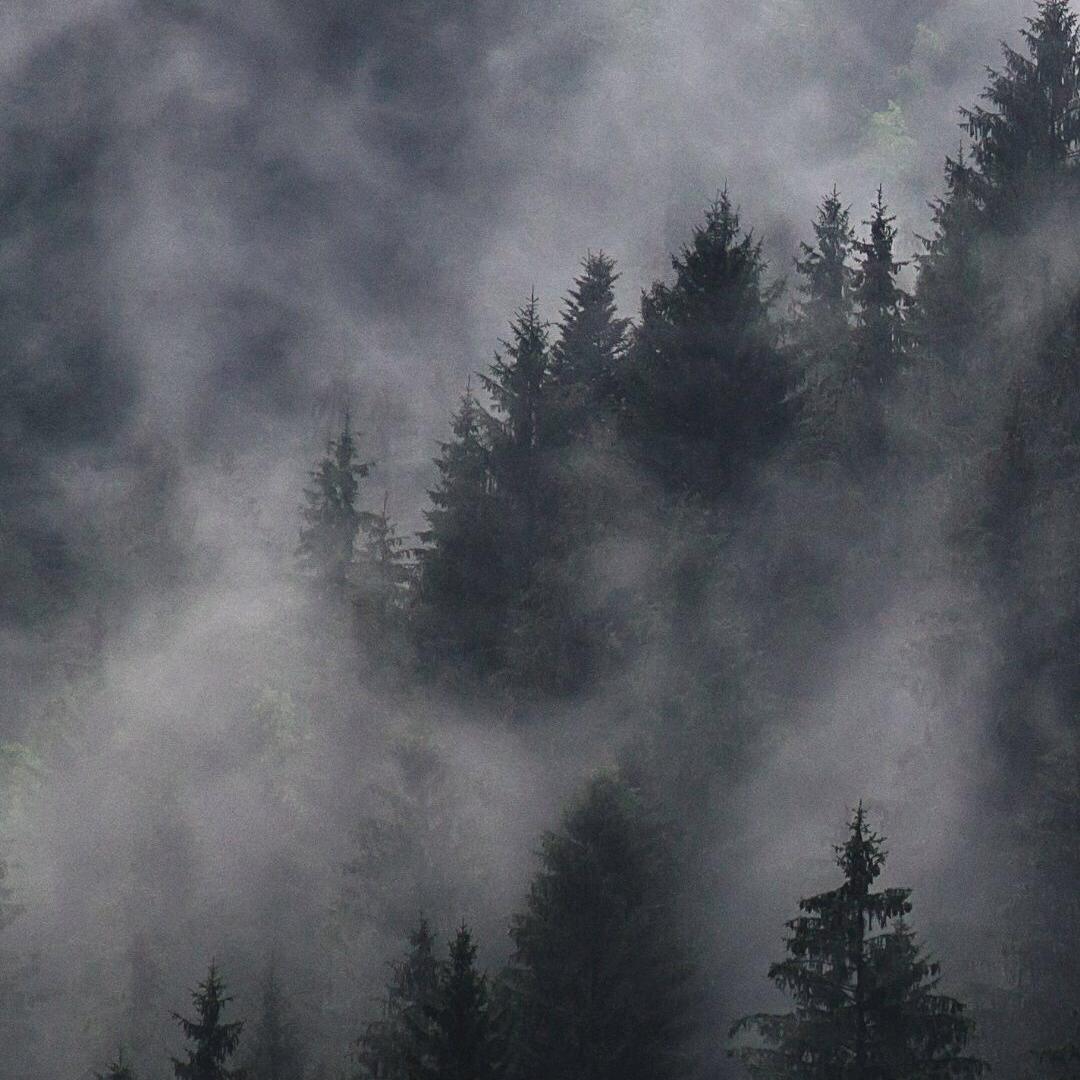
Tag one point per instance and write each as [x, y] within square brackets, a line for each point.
[688, 687]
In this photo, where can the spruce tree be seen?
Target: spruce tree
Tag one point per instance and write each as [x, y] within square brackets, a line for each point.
[398, 1045]
[331, 516]
[213, 1040]
[822, 330]
[460, 597]
[601, 983]
[274, 1052]
[462, 1045]
[517, 382]
[1025, 134]
[880, 302]
[706, 391]
[947, 314]
[587, 358]
[866, 1000]
[382, 577]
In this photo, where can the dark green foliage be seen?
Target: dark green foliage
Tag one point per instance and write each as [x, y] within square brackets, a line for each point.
[706, 390]
[332, 516]
[1025, 134]
[383, 575]
[950, 310]
[274, 1051]
[213, 1040]
[866, 1004]
[398, 1044]
[588, 357]
[461, 594]
[822, 330]
[601, 985]
[879, 331]
[462, 1044]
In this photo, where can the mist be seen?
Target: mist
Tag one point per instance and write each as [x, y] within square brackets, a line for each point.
[227, 225]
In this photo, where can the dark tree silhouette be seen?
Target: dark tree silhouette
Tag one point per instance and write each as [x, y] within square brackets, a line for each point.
[866, 1003]
[213, 1040]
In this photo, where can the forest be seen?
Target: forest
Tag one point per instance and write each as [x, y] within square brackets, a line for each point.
[715, 713]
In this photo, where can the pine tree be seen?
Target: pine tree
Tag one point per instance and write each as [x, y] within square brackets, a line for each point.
[518, 379]
[706, 390]
[599, 977]
[382, 581]
[822, 331]
[214, 1041]
[866, 1003]
[588, 357]
[462, 1043]
[399, 1044]
[1024, 136]
[881, 302]
[949, 308]
[460, 591]
[275, 1052]
[824, 267]
[332, 516]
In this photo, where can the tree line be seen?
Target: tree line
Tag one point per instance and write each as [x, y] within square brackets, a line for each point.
[600, 983]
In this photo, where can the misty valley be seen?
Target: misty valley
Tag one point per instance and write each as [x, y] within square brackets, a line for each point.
[683, 684]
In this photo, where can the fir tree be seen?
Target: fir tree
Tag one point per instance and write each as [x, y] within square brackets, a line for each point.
[398, 1045]
[274, 1052]
[824, 267]
[880, 301]
[822, 331]
[601, 984]
[462, 1042]
[382, 581]
[706, 390]
[213, 1040]
[1024, 136]
[332, 516]
[949, 309]
[518, 379]
[866, 1003]
[588, 357]
[460, 592]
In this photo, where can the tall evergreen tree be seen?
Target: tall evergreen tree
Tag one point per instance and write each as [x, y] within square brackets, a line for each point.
[601, 983]
[332, 516]
[588, 356]
[706, 389]
[866, 1003]
[382, 577]
[274, 1052]
[213, 1040]
[461, 593]
[398, 1045]
[881, 303]
[1025, 134]
[822, 331]
[462, 1046]
[518, 378]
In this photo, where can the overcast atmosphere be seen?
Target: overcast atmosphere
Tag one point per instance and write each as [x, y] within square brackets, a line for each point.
[543, 473]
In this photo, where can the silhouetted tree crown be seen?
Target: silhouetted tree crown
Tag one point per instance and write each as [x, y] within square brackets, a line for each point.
[213, 1040]
[866, 1003]
[601, 980]
[706, 390]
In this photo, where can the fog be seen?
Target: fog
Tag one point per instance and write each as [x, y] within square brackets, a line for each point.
[225, 223]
